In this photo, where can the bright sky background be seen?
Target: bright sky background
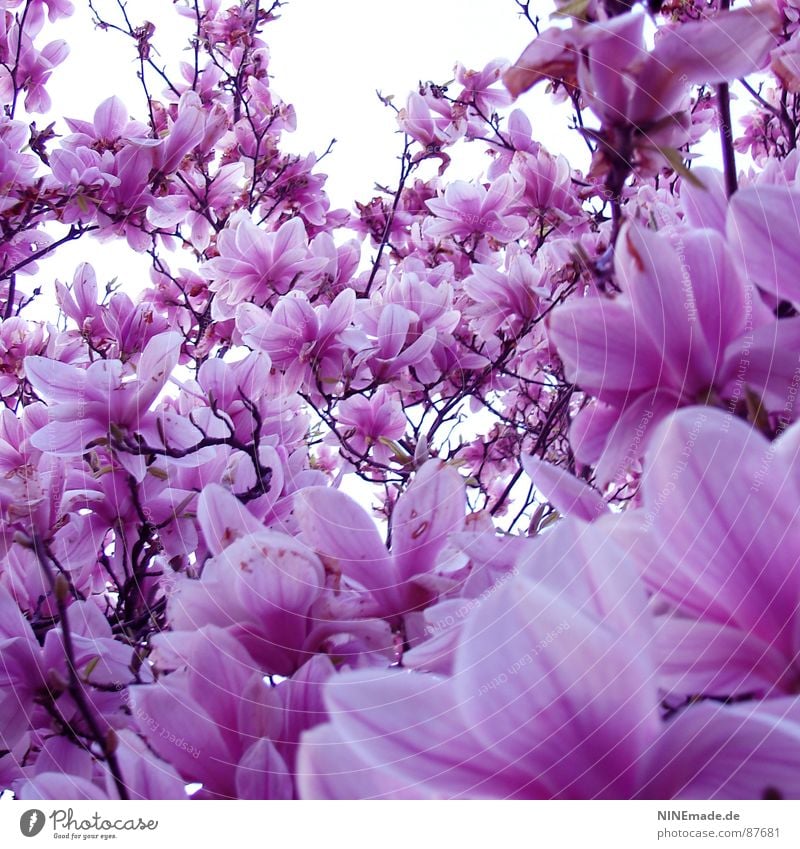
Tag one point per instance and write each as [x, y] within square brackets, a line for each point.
[328, 59]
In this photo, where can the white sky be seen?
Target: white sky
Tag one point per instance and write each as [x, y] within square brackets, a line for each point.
[328, 58]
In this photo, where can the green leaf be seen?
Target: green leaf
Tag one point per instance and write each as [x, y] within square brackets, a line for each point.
[573, 9]
[677, 164]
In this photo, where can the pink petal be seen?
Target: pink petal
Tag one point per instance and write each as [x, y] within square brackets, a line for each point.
[430, 509]
[747, 751]
[262, 774]
[223, 518]
[55, 786]
[763, 222]
[54, 381]
[569, 495]
[718, 517]
[604, 349]
[339, 530]
[704, 658]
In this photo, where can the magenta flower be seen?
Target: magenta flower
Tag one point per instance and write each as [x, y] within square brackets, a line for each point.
[429, 121]
[717, 542]
[519, 134]
[255, 265]
[21, 672]
[672, 338]
[762, 227]
[109, 129]
[76, 774]
[641, 96]
[18, 340]
[17, 169]
[33, 67]
[260, 585]
[548, 187]
[302, 340]
[480, 87]
[84, 404]
[507, 298]
[341, 532]
[553, 695]
[470, 209]
[368, 421]
[79, 301]
[211, 718]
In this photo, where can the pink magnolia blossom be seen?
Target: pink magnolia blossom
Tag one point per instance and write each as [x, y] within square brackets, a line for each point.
[260, 588]
[553, 695]
[567, 391]
[369, 422]
[33, 67]
[429, 120]
[18, 339]
[761, 228]
[211, 718]
[467, 210]
[431, 509]
[143, 775]
[301, 339]
[672, 338]
[264, 588]
[505, 298]
[256, 265]
[17, 169]
[716, 541]
[640, 96]
[86, 404]
[480, 87]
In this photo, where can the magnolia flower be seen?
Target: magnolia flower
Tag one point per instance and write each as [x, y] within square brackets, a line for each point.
[341, 532]
[717, 542]
[84, 403]
[674, 337]
[468, 209]
[302, 340]
[212, 717]
[640, 95]
[553, 694]
[367, 422]
[254, 264]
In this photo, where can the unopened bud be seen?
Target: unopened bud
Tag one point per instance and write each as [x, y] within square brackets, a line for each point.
[111, 742]
[61, 587]
[22, 539]
[56, 684]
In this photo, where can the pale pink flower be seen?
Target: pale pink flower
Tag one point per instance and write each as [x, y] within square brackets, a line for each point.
[256, 265]
[367, 421]
[470, 209]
